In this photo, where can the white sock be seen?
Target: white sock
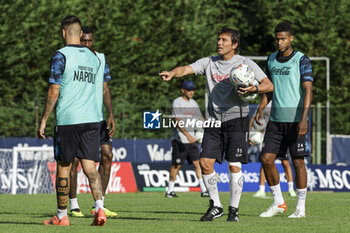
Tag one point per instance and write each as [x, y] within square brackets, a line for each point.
[277, 194]
[98, 205]
[202, 185]
[73, 203]
[210, 182]
[61, 213]
[103, 200]
[262, 188]
[171, 186]
[301, 199]
[290, 186]
[236, 187]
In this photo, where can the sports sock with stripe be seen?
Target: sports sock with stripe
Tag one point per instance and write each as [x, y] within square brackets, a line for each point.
[210, 182]
[236, 187]
[301, 199]
[277, 194]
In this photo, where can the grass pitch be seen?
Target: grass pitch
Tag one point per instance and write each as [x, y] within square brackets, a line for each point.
[152, 212]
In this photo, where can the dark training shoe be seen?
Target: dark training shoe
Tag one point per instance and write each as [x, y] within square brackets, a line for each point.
[205, 194]
[213, 212]
[170, 195]
[232, 214]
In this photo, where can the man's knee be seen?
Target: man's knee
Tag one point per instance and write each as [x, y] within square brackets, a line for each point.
[298, 163]
[235, 167]
[206, 165]
[107, 154]
[267, 159]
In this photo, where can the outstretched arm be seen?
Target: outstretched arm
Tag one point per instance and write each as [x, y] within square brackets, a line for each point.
[51, 99]
[107, 100]
[179, 71]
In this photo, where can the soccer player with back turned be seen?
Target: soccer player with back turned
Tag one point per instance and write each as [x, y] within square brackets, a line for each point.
[291, 74]
[107, 130]
[77, 131]
[225, 105]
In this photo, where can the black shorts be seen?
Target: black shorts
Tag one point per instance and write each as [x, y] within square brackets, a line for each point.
[105, 139]
[184, 151]
[80, 140]
[231, 140]
[281, 136]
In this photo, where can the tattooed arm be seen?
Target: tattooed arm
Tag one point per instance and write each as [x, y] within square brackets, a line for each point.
[51, 99]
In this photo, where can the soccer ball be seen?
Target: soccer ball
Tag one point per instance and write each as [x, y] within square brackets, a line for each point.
[250, 95]
[258, 127]
[256, 137]
[241, 76]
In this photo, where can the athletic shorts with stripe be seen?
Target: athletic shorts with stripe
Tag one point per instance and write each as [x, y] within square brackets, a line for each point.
[230, 141]
[281, 136]
[80, 140]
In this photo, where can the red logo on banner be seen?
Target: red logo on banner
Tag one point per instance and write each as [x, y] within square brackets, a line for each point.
[122, 179]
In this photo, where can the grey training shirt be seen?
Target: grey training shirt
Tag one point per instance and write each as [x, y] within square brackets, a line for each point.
[223, 99]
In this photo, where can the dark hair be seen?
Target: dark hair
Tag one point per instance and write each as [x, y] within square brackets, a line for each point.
[235, 37]
[284, 27]
[87, 30]
[71, 19]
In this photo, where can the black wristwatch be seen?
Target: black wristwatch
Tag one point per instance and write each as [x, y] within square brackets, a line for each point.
[257, 90]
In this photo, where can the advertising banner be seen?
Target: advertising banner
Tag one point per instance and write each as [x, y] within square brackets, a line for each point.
[155, 177]
[121, 180]
[340, 149]
[251, 174]
[328, 178]
[148, 151]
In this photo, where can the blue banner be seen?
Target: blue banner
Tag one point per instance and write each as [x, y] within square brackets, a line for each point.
[251, 174]
[328, 178]
[148, 151]
[340, 149]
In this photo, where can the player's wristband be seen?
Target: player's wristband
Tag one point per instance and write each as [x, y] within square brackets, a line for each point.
[256, 90]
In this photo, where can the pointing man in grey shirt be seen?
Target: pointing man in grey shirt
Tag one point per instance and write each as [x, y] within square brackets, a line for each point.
[231, 138]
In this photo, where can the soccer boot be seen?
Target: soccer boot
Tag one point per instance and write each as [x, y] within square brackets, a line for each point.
[100, 218]
[205, 194]
[298, 214]
[273, 210]
[76, 213]
[109, 213]
[232, 214]
[170, 195]
[260, 194]
[55, 221]
[212, 212]
[292, 193]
